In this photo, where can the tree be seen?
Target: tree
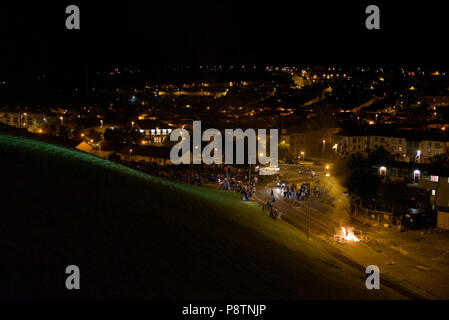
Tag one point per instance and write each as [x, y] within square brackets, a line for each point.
[356, 174]
[114, 157]
[380, 155]
[394, 194]
[93, 134]
[285, 154]
[439, 163]
[63, 132]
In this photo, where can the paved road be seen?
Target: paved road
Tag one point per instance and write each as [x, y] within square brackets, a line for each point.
[327, 216]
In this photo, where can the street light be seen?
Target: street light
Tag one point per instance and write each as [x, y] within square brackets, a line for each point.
[324, 146]
[303, 155]
[308, 219]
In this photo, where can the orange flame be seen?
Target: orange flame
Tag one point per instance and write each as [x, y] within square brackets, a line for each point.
[348, 235]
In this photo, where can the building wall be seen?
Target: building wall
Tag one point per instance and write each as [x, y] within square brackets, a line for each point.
[443, 192]
[403, 150]
[34, 122]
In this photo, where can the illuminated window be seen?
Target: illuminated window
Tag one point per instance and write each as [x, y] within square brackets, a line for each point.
[416, 176]
[434, 178]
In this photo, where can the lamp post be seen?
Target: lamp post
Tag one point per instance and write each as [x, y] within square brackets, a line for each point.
[324, 146]
[308, 219]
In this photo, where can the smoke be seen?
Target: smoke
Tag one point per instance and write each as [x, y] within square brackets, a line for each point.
[340, 202]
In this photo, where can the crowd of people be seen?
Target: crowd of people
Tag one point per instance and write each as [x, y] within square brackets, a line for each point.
[230, 178]
[297, 193]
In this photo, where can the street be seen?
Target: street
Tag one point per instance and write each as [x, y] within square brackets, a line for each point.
[406, 260]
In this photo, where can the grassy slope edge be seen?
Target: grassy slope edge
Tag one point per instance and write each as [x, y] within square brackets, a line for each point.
[138, 236]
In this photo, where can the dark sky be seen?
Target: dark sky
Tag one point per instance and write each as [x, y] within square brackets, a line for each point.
[34, 37]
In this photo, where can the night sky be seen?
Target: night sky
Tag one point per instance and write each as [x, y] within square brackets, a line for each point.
[34, 37]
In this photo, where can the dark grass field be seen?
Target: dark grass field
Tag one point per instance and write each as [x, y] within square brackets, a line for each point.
[137, 236]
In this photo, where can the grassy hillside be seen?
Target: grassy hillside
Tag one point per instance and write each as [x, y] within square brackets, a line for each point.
[138, 236]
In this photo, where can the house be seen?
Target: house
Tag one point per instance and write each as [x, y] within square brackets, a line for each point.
[34, 122]
[135, 152]
[404, 145]
[156, 131]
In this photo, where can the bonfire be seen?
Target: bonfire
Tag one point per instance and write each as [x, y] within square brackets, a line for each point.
[348, 235]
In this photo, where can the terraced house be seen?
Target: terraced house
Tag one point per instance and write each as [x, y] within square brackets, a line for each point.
[403, 145]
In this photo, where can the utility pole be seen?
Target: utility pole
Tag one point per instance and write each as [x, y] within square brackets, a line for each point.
[308, 220]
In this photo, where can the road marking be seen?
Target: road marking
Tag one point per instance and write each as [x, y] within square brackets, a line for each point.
[424, 268]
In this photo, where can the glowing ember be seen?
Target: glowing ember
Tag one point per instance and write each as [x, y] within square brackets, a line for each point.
[348, 235]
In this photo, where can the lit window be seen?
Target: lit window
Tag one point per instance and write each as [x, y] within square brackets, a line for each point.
[434, 178]
[433, 192]
[417, 176]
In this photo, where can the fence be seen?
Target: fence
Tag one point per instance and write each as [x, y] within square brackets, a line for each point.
[380, 218]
